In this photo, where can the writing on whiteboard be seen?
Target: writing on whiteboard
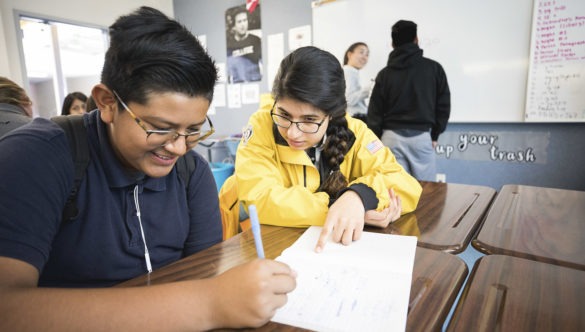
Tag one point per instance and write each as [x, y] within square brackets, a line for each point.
[556, 78]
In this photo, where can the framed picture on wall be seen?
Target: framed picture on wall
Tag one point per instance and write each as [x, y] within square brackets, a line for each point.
[244, 44]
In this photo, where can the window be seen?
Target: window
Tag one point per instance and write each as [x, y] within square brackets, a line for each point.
[60, 58]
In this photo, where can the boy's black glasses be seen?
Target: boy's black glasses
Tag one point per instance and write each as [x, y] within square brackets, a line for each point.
[163, 137]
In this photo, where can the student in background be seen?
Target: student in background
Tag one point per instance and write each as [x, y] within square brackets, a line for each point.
[135, 213]
[74, 103]
[355, 59]
[15, 106]
[303, 161]
[410, 103]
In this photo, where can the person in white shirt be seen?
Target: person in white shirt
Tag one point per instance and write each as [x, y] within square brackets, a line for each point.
[355, 58]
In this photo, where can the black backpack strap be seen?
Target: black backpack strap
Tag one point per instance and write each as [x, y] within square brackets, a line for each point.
[77, 136]
[185, 167]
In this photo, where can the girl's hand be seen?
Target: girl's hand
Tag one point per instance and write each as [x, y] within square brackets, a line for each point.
[383, 218]
[344, 222]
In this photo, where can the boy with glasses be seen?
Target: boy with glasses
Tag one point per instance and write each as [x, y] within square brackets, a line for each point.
[135, 213]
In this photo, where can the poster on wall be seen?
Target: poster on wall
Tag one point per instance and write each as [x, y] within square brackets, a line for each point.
[244, 44]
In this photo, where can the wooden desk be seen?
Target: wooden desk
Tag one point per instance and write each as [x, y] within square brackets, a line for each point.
[446, 218]
[542, 224]
[437, 276]
[507, 293]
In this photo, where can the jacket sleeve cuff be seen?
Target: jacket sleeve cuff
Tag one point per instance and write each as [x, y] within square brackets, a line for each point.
[367, 194]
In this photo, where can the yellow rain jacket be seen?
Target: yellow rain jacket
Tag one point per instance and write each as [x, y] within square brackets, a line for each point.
[283, 182]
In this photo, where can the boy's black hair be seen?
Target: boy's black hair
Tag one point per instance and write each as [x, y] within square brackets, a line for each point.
[151, 53]
[403, 32]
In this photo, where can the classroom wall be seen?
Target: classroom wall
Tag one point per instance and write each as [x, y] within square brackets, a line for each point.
[539, 154]
[207, 18]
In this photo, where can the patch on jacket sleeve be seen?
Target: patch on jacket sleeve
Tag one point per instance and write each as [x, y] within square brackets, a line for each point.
[374, 146]
[247, 134]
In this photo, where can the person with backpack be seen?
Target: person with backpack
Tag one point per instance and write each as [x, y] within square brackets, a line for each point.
[63, 242]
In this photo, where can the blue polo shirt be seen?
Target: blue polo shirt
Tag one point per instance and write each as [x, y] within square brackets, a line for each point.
[103, 245]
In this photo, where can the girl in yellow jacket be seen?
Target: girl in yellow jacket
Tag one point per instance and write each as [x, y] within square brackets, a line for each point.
[302, 161]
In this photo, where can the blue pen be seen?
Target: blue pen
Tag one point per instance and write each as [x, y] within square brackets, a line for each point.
[256, 230]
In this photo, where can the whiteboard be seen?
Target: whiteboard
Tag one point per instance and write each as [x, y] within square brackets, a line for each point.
[556, 77]
[482, 45]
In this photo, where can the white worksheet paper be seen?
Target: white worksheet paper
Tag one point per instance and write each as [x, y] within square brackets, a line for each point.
[361, 287]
